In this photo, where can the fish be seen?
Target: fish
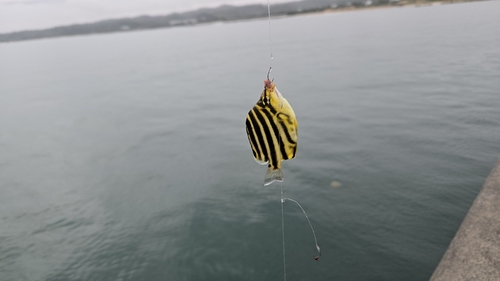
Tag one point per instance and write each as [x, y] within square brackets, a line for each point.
[272, 130]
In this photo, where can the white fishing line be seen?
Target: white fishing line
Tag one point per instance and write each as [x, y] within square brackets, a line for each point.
[283, 233]
[270, 35]
[283, 230]
[281, 184]
[305, 214]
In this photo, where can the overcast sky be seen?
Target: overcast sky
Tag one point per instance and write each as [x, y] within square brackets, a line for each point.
[16, 15]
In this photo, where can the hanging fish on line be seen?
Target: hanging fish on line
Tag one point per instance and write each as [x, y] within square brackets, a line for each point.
[272, 131]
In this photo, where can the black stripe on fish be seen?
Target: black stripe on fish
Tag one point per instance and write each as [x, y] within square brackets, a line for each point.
[287, 134]
[276, 132]
[264, 106]
[283, 116]
[273, 157]
[258, 133]
[251, 138]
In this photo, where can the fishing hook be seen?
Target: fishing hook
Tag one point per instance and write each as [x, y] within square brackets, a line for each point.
[269, 72]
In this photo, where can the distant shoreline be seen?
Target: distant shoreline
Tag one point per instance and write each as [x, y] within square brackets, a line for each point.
[212, 15]
[399, 4]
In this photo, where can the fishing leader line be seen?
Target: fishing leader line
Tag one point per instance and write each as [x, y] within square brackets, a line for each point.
[283, 199]
[283, 231]
[312, 229]
[281, 184]
[270, 35]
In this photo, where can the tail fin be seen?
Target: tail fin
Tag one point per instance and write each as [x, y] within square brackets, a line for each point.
[272, 175]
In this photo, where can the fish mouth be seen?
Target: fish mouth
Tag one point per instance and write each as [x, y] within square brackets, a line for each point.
[268, 84]
[271, 89]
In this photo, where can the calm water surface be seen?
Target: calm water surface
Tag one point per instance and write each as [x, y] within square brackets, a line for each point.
[124, 156]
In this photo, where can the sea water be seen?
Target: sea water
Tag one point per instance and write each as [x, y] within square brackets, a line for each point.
[124, 156]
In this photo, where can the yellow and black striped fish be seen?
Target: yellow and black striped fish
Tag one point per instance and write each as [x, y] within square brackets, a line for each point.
[272, 130]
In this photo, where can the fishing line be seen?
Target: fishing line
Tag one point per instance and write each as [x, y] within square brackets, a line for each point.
[270, 35]
[281, 185]
[312, 229]
[283, 232]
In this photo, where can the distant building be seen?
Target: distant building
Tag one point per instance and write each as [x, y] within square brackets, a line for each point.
[368, 2]
[183, 22]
